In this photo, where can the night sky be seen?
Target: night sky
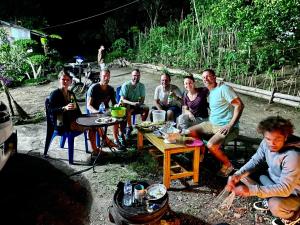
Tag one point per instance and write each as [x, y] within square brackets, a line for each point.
[86, 36]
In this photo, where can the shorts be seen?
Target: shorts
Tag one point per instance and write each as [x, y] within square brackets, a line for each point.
[210, 129]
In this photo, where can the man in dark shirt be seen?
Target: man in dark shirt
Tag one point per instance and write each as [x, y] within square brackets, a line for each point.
[103, 92]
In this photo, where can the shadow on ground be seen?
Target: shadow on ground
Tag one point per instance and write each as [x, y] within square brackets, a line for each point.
[35, 192]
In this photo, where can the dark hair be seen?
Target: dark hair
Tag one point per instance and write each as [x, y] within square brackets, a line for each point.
[136, 70]
[277, 123]
[64, 73]
[190, 76]
[166, 74]
[210, 71]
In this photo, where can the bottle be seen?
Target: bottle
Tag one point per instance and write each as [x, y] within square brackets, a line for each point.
[102, 108]
[72, 100]
[170, 98]
[127, 198]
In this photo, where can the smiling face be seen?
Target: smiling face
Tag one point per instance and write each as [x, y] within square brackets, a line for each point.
[209, 79]
[275, 140]
[65, 81]
[189, 84]
[164, 81]
[135, 77]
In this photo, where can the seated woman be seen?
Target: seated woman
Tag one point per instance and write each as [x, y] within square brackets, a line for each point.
[64, 109]
[162, 95]
[195, 105]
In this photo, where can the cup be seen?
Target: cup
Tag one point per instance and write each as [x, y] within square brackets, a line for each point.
[139, 193]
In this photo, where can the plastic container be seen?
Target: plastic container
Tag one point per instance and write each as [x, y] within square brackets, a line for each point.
[118, 112]
[159, 115]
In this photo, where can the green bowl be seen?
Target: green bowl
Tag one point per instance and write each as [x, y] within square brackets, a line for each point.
[118, 112]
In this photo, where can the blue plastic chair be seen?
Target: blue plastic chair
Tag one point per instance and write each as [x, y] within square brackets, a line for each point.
[65, 135]
[118, 97]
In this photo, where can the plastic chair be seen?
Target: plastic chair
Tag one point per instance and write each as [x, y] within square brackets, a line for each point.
[118, 97]
[65, 135]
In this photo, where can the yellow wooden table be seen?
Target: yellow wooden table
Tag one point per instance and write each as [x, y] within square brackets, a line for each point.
[169, 149]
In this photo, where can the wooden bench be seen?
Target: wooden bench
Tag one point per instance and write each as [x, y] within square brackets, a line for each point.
[170, 172]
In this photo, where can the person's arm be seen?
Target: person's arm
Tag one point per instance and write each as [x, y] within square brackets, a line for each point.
[237, 112]
[56, 103]
[157, 104]
[90, 106]
[125, 101]
[257, 159]
[288, 181]
[89, 100]
[113, 97]
[156, 98]
[177, 94]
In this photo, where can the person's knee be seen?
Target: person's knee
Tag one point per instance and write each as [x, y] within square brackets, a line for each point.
[170, 114]
[212, 145]
[275, 206]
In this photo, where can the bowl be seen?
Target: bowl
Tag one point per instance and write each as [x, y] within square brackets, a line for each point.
[118, 112]
[170, 134]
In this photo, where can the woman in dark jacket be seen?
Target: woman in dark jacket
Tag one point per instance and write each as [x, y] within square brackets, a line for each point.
[63, 108]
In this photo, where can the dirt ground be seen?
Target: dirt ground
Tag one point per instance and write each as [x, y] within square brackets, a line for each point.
[36, 190]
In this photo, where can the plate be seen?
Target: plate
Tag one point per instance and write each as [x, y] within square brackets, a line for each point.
[156, 191]
[105, 120]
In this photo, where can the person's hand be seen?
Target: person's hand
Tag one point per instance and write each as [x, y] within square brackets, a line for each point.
[191, 116]
[225, 129]
[70, 106]
[137, 103]
[232, 181]
[241, 190]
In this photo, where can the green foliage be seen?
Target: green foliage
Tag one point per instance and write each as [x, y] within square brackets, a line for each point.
[236, 37]
[17, 63]
[26, 44]
[120, 49]
[37, 59]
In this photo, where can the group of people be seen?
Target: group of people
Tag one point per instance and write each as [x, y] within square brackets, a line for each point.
[212, 113]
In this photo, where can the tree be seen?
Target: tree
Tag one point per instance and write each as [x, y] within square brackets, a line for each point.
[152, 8]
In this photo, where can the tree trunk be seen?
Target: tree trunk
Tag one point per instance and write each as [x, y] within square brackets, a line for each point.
[8, 98]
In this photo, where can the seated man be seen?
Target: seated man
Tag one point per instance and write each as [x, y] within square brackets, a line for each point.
[281, 183]
[225, 110]
[133, 96]
[102, 92]
[162, 99]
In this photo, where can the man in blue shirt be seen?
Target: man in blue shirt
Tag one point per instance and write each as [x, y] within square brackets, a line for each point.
[133, 96]
[225, 110]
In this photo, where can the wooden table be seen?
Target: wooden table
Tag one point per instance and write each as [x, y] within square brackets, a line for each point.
[168, 150]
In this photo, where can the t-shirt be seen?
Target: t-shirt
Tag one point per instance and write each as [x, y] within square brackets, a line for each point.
[221, 110]
[100, 95]
[199, 106]
[163, 95]
[132, 93]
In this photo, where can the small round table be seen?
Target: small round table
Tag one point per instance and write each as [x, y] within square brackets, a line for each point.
[136, 214]
[90, 121]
